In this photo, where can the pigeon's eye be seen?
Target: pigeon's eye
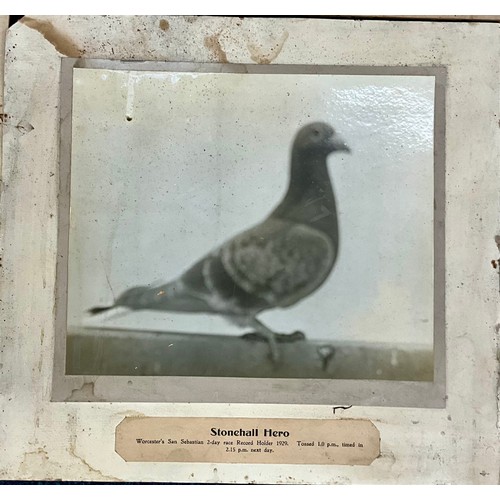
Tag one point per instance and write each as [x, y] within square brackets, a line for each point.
[316, 132]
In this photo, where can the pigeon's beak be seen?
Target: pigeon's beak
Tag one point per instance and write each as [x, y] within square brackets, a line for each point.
[337, 143]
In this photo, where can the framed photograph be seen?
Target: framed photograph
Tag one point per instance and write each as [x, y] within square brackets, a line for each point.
[251, 222]
[242, 250]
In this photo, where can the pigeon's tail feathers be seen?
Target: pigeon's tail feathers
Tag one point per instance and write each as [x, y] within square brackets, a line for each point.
[109, 313]
[99, 310]
[176, 297]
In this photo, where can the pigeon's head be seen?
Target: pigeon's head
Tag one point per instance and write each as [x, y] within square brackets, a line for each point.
[319, 138]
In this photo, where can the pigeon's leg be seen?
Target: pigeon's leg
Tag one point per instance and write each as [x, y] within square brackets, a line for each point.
[267, 334]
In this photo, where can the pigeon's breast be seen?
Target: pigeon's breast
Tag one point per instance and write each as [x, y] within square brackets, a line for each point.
[279, 261]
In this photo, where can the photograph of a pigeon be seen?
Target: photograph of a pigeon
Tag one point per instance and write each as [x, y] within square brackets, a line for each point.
[274, 264]
[224, 231]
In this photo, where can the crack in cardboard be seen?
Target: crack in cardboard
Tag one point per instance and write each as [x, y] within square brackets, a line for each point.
[39, 452]
[497, 330]
[72, 451]
[84, 393]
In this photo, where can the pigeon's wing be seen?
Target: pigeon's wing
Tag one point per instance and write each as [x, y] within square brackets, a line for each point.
[209, 282]
[279, 261]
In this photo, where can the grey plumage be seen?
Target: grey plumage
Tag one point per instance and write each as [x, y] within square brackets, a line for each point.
[273, 264]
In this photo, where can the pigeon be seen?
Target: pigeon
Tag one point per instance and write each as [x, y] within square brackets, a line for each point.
[274, 264]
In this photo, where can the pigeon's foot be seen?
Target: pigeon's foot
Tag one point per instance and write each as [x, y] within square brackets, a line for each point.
[278, 337]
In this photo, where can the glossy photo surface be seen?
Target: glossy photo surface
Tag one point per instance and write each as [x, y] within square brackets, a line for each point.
[294, 208]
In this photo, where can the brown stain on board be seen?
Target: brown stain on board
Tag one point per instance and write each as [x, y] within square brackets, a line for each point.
[212, 43]
[164, 24]
[61, 42]
[258, 55]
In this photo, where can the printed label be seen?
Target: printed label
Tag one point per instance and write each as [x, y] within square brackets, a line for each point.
[247, 440]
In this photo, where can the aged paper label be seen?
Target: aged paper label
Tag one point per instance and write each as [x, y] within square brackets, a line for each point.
[247, 440]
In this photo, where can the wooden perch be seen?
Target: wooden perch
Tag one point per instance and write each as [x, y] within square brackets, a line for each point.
[125, 352]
